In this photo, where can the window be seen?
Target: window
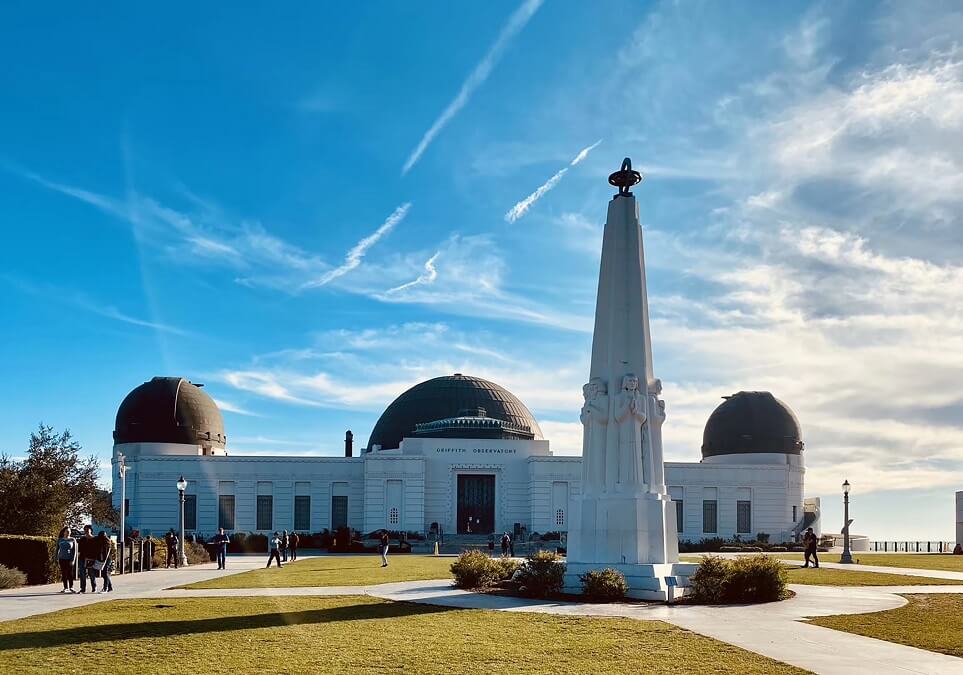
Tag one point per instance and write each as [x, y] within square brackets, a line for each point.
[679, 511]
[794, 513]
[743, 517]
[393, 516]
[265, 512]
[302, 512]
[126, 507]
[559, 516]
[339, 511]
[190, 512]
[225, 511]
[710, 523]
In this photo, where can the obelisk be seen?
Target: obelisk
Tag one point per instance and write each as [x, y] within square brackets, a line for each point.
[623, 517]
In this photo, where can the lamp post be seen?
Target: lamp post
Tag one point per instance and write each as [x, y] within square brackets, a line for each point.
[847, 556]
[181, 486]
[122, 472]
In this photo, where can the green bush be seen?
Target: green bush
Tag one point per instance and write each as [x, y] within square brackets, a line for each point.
[747, 579]
[541, 575]
[606, 585]
[506, 568]
[11, 578]
[474, 569]
[34, 556]
[197, 554]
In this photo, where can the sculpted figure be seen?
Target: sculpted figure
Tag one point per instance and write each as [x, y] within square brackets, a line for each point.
[631, 415]
[595, 419]
[652, 440]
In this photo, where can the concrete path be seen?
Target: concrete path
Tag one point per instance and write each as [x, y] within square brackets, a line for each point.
[908, 571]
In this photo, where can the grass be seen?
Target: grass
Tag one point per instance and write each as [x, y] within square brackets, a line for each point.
[351, 634]
[355, 570]
[946, 562]
[933, 622]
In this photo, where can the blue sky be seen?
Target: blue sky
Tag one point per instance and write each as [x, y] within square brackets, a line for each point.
[310, 211]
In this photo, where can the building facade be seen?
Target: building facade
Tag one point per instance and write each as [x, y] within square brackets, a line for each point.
[455, 453]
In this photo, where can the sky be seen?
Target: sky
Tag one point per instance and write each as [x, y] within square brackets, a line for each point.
[311, 209]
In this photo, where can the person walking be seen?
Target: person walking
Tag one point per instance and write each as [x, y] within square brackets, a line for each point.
[87, 553]
[171, 540]
[221, 540]
[67, 559]
[293, 543]
[505, 541]
[384, 548]
[103, 560]
[274, 546]
[284, 545]
[810, 541]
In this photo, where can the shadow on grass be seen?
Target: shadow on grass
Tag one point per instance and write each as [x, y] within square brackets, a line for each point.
[164, 629]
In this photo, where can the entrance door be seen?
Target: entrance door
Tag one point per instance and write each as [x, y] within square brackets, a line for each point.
[476, 501]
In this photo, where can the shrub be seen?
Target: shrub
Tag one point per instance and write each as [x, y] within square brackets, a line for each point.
[541, 574]
[747, 579]
[197, 554]
[34, 556]
[506, 568]
[707, 584]
[762, 537]
[474, 569]
[607, 585]
[11, 578]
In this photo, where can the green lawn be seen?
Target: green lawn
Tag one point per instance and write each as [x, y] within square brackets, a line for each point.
[827, 577]
[355, 570]
[933, 622]
[945, 562]
[351, 634]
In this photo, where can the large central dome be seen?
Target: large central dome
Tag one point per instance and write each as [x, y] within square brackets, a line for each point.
[447, 397]
[169, 410]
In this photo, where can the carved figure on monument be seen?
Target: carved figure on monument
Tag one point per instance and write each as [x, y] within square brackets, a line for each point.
[654, 465]
[595, 419]
[630, 414]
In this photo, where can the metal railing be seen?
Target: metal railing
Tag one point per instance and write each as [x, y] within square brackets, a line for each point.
[911, 546]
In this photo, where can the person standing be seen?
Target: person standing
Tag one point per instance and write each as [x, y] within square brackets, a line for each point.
[104, 559]
[221, 540]
[171, 540]
[810, 541]
[284, 545]
[87, 552]
[274, 546]
[505, 540]
[67, 559]
[293, 543]
[384, 548]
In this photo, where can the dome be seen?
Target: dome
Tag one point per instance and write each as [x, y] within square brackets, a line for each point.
[448, 397]
[169, 410]
[751, 422]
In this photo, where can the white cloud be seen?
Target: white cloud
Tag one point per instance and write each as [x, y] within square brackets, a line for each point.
[522, 207]
[227, 406]
[476, 78]
[429, 275]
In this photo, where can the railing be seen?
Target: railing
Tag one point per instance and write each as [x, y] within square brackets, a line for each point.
[911, 546]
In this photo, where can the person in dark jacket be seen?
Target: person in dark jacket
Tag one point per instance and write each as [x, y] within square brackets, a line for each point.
[171, 540]
[87, 553]
[810, 541]
[293, 541]
[67, 559]
[104, 558]
[220, 541]
[506, 542]
[384, 547]
[284, 545]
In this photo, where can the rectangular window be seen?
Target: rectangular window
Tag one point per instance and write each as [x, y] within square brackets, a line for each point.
[302, 512]
[710, 522]
[794, 513]
[126, 507]
[190, 512]
[339, 511]
[265, 512]
[225, 511]
[679, 511]
[743, 517]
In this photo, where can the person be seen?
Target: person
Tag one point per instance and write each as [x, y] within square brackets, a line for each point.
[284, 545]
[505, 541]
[104, 558]
[810, 540]
[171, 540]
[274, 546]
[384, 548]
[491, 546]
[87, 552]
[67, 559]
[221, 541]
[511, 547]
[293, 542]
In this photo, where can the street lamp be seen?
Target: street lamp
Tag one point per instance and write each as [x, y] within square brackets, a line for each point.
[181, 486]
[847, 556]
[122, 472]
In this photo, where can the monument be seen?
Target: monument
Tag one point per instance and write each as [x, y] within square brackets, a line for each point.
[624, 518]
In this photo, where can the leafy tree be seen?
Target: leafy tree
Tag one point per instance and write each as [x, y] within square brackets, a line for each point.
[102, 511]
[52, 487]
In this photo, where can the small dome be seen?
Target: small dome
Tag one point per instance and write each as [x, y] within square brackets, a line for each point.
[169, 410]
[452, 396]
[751, 422]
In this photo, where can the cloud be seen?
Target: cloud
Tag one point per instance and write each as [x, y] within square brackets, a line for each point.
[357, 253]
[476, 78]
[522, 207]
[227, 406]
[429, 275]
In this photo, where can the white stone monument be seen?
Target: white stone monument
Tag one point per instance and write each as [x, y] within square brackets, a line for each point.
[624, 518]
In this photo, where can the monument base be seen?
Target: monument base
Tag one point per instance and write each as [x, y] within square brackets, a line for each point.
[646, 582]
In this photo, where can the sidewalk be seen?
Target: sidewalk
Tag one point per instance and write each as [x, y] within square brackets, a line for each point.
[908, 571]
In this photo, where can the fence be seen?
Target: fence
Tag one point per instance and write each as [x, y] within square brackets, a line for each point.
[911, 546]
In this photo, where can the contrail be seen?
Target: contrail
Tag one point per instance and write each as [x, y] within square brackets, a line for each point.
[429, 275]
[523, 206]
[356, 254]
[477, 77]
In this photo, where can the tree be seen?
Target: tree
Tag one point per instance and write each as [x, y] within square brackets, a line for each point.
[52, 487]
[102, 510]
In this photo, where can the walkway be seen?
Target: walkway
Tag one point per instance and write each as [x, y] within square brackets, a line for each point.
[908, 571]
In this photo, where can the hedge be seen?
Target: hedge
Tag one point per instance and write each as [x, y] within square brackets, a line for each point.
[34, 556]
